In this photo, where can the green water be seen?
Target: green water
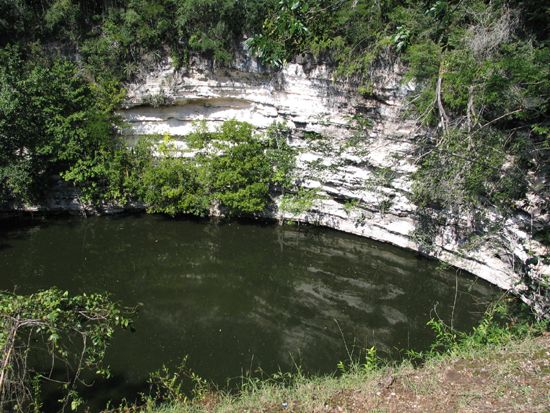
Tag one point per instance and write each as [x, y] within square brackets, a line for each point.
[238, 297]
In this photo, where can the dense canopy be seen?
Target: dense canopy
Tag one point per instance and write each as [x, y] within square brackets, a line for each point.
[482, 70]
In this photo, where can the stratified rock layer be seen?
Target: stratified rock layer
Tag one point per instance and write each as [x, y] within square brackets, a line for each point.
[360, 172]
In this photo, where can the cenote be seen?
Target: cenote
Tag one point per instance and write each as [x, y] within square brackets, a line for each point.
[238, 298]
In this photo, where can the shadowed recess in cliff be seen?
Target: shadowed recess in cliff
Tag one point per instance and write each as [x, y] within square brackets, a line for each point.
[180, 117]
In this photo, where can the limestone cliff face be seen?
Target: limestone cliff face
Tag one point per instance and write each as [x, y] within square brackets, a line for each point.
[360, 172]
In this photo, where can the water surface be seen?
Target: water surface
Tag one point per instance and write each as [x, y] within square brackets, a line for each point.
[238, 297]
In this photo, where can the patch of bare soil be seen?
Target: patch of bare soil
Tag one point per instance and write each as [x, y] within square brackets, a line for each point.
[515, 380]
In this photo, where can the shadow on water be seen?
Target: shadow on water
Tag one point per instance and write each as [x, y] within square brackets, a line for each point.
[99, 393]
[115, 390]
[17, 227]
[238, 296]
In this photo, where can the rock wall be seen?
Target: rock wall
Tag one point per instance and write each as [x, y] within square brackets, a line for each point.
[359, 172]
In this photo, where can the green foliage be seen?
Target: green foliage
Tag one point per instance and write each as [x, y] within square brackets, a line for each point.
[423, 60]
[368, 363]
[239, 171]
[381, 177]
[281, 156]
[299, 202]
[50, 119]
[240, 178]
[485, 88]
[62, 15]
[504, 321]
[112, 175]
[445, 338]
[116, 38]
[286, 30]
[74, 332]
[130, 31]
[173, 186]
[175, 387]
[372, 361]
[233, 169]
[349, 33]
[211, 27]
[350, 205]
[467, 178]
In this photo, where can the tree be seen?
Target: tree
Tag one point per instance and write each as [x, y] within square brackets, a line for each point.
[50, 118]
[486, 91]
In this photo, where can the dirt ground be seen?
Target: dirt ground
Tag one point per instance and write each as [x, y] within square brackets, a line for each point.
[500, 382]
[514, 379]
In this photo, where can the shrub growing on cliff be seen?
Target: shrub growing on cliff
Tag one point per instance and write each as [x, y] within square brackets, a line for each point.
[233, 169]
[486, 91]
[239, 172]
[175, 186]
[281, 156]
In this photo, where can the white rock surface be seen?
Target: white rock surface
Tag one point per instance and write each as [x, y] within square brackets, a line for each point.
[372, 167]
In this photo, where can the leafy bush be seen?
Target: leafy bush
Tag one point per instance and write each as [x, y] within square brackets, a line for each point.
[467, 178]
[112, 175]
[299, 202]
[281, 156]
[233, 169]
[174, 186]
[51, 118]
[72, 332]
[505, 320]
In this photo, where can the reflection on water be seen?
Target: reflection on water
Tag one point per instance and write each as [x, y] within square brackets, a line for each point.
[237, 296]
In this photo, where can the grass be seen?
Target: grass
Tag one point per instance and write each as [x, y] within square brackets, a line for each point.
[497, 367]
[506, 377]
